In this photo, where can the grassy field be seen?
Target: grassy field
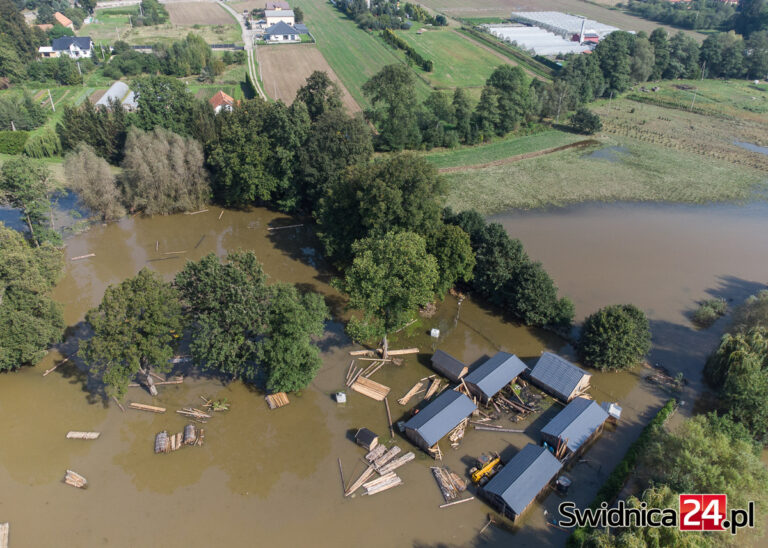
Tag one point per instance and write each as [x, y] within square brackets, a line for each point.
[593, 10]
[634, 171]
[458, 62]
[113, 23]
[501, 149]
[353, 54]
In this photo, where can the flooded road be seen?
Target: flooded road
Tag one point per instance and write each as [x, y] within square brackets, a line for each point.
[271, 477]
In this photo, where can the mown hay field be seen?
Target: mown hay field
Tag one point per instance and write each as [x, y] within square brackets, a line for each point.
[198, 13]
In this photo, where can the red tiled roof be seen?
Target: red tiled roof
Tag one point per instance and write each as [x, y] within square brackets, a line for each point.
[62, 20]
[221, 99]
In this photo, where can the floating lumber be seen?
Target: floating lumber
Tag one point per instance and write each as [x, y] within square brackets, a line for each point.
[52, 369]
[370, 373]
[355, 374]
[498, 429]
[389, 418]
[369, 368]
[349, 371]
[75, 480]
[175, 440]
[277, 400]
[143, 407]
[370, 388]
[383, 483]
[397, 463]
[195, 212]
[4, 534]
[375, 453]
[89, 255]
[162, 442]
[200, 437]
[411, 393]
[283, 227]
[174, 252]
[194, 414]
[174, 380]
[457, 434]
[400, 352]
[433, 388]
[190, 434]
[445, 483]
[75, 435]
[341, 472]
[361, 353]
[386, 457]
[365, 476]
[447, 504]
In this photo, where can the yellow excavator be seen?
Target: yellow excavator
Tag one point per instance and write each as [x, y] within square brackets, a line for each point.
[485, 468]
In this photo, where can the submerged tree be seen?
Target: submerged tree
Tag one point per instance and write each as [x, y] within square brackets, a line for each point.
[92, 179]
[136, 327]
[30, 321]
[390, 278]
[615, 337]
[27, 185]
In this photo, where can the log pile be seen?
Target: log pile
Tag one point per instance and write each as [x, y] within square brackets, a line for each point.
[143, 407]
[4, 534]
[75, 480]
[433, 388]
[415, 389]
[365, 476]
[375, 453]
[74, 435]
[162, 442]
[457, 434]
[446, 481]
[194, 414]
[387, 481]
[386, 457]
[397, 463]
[370, 388]
[190, 436]
[279, 399]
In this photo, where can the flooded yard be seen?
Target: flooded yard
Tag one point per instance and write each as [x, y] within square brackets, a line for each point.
[271, 477]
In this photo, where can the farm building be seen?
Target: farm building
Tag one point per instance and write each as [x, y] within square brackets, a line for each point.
[281, 32]
[562, 24]
[448, 366]
[119, 91]
[538, 40]
[221, 101]
[438, 418]
[521, 480]
[64, 21]
[272, 17]
[575, 426]
[559, 377]
[493, 375]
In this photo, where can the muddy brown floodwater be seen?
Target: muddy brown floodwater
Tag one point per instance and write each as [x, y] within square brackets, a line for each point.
[271, 477]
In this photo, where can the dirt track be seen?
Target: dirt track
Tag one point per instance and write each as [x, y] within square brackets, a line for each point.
[285, 67]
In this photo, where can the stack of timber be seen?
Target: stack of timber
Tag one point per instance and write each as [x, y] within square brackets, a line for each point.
[365, 476]
[375, 453]
[176, 441]
[194, 414]
[162, 443]
[457, 434]
[4, 534]
[386, 457]
[433, 388]
[450, 484]
[415, 389]
[75, 480]
[387, 481]
[397, 463]
[74, 435]
[143, 407]
[279, 399]
[190, 434]
[370, 388]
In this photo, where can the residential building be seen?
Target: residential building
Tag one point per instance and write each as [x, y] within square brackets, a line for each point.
[494, 374]
[512, 490]
[559, 377]
[437, 419]
[272, 17]
[71, 46]
[282, 32]
[580, 422]
[221, 101]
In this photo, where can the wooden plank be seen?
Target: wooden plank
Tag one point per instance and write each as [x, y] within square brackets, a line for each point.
[341, 473]
[403, 352]
[143, 407]
[389, 418]
[360, 352]
[5, 531]
[89, 255]
[411, 393]
[361, 480]
[276, 400]
[377, 451]
[497, 429]
[75, 435]
[397, 463]
[447, 504]
[432, 388]
[386, 457]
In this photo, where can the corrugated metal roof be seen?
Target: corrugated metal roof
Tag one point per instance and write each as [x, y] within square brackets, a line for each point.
[447, 365]
[558, 374]
[524, 477]
[441, 416]
[576, 422]
[496, 373]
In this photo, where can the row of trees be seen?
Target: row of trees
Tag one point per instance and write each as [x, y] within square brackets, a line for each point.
[748, 17]
[21, 113]
[238, 325]
[387, 14]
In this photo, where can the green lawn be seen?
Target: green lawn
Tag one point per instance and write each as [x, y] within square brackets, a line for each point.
[635, 172]
[503, 148]
[458, 62]
[353, 54]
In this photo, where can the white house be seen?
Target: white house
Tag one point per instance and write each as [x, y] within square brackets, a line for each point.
[72, 46]
[281, 32]
[273, 17]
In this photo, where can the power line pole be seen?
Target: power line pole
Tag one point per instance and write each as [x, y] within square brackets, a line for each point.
[53, 107]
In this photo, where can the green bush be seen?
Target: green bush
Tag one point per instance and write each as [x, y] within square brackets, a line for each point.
[709, 311]
[43, 144]
[585, 121]
[615, 337]
[12, 142]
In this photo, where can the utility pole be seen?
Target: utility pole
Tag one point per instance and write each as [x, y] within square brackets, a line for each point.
[53, 107]
[13, 127]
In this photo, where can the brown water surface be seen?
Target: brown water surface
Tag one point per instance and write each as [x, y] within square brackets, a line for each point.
[271, 477]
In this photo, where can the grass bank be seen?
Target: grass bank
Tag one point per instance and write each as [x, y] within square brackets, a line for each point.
[624, 169]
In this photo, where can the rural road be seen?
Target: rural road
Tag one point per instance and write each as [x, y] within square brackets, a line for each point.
[249, 50]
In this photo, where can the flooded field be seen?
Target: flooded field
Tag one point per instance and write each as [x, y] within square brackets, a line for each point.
[271, 477]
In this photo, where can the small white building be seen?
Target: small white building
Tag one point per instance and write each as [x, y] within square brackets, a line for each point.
[71, 46]
[272, 17]
[282, 33]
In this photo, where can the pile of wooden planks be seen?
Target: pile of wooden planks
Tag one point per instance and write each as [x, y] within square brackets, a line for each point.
[5, 529]
[433, 388]
[386, 457]
[75, 480]
[457, 434]
[415, 389]
[276, 400]
[195, 414]
[190, 436]
[387, 481]
[397, 463]
[143, 407]
[74, 435]
[370, 388]
[450, 484]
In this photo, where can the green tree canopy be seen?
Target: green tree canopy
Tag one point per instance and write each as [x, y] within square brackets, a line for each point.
[30, 321]
[393, 98]
[614, 53]
[320, 94]
[615, 337]
[455, 258]
[136, 326]
[163, 101]
[27, 185]
[390, 277]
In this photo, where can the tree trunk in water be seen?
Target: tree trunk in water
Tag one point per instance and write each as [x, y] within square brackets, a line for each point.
[150, 383]
[385, 347]
[31, 230]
